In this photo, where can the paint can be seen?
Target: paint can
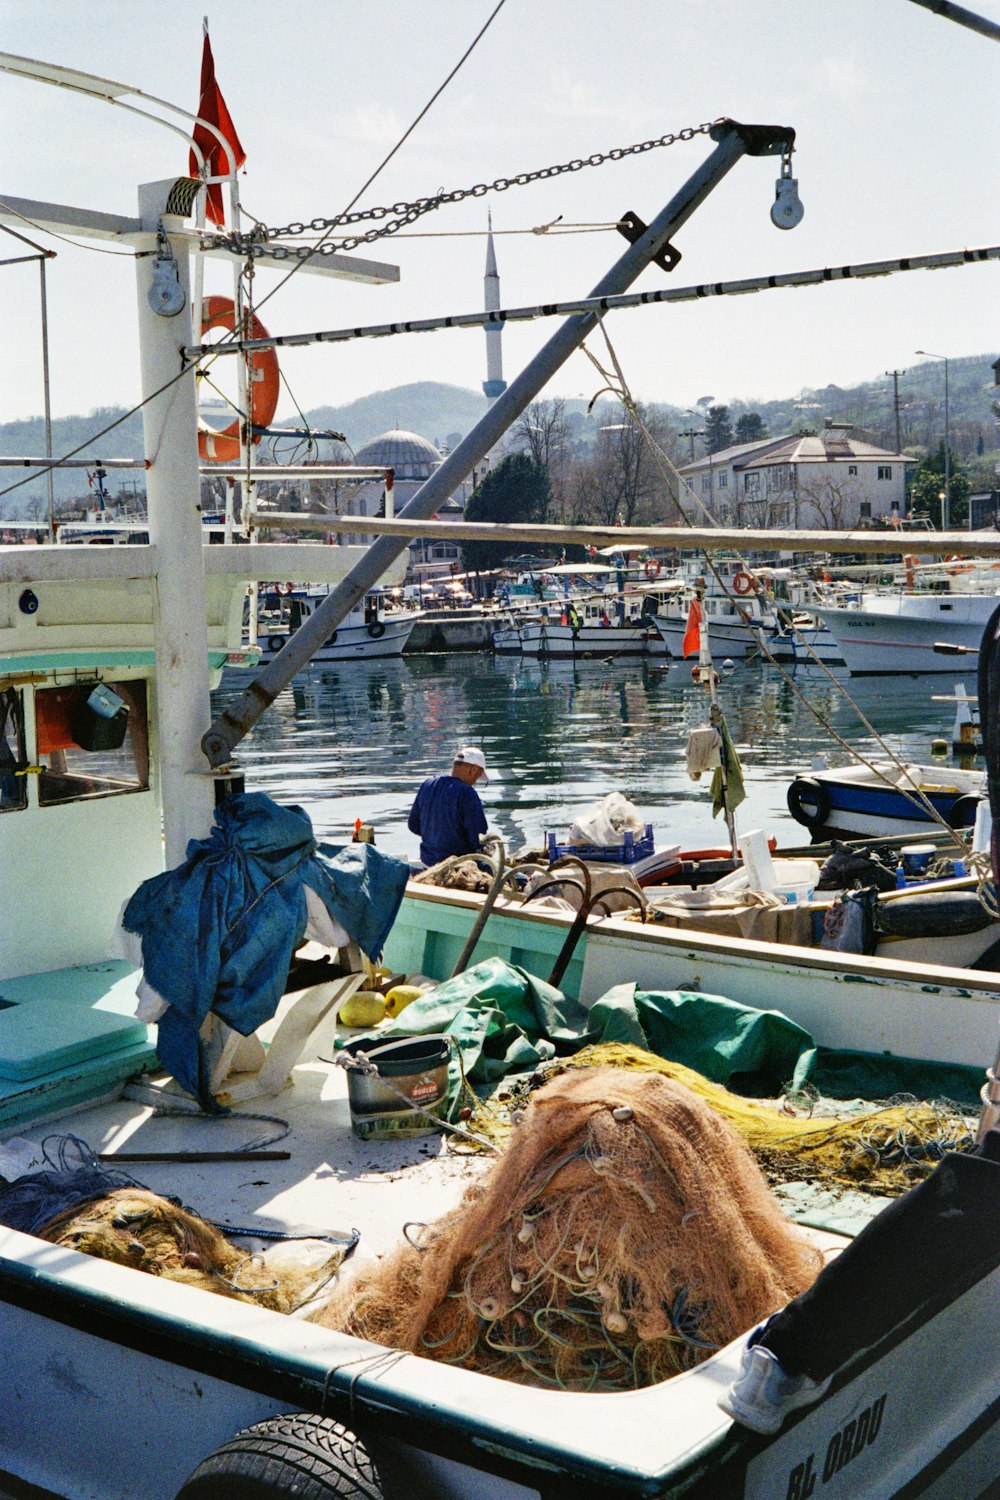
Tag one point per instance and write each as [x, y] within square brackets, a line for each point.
[385, 1082]
[916, 860]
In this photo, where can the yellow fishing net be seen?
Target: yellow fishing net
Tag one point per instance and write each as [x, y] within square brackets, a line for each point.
[881, 1148]
[623, 1234]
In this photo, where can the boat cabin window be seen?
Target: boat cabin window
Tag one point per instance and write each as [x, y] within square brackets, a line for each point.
[13, 787]
[92, 740]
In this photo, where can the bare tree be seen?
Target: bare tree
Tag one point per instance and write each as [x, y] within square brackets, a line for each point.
[622, 483]
[828, 501]
[542, 433]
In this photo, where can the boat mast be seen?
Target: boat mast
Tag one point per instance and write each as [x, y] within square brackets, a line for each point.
[173, 483]
[733, 141]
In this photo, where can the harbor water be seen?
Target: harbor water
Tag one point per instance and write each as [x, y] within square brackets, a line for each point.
[356, 741]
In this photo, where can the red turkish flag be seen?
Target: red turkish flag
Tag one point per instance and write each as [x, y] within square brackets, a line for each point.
[212, 107]
[691, 641]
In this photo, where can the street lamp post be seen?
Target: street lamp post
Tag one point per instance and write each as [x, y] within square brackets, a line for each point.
[946, 502]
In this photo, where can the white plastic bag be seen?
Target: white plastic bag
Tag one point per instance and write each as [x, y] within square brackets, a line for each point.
[605, 822]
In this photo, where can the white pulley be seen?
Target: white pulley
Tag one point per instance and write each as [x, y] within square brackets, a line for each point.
[166, 295]
[786, 210]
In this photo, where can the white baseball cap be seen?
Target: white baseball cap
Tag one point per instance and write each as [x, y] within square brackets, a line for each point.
[471, 755]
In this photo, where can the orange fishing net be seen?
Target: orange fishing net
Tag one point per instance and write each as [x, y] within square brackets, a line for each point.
[624, 1234]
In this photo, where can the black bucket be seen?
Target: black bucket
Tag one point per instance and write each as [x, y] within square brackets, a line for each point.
[411, 1071]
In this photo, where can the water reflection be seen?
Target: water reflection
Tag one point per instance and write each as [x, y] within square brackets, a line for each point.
[357, 741]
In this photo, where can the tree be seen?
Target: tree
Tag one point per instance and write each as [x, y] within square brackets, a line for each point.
[516, 490]
[621, 483]
[927, 487]
[827, 503]
[750, 428]
[718, 429]
[541, 432]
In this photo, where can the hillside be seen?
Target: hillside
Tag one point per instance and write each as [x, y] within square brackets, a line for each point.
[444, 413]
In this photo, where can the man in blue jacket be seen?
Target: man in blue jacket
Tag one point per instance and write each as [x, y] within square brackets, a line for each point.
[447, 812]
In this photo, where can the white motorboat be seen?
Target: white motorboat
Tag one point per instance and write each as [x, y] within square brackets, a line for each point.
[920, 631]
[373, 630]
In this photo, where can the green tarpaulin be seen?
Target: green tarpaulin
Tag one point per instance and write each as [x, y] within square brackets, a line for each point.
[505, 1021]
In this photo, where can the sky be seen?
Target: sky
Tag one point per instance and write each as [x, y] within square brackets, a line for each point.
[894, 109]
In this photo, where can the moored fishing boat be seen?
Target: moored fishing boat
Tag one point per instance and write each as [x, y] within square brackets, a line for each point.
[586, 616]
[869, 801]
[885, 634]
[371, 631]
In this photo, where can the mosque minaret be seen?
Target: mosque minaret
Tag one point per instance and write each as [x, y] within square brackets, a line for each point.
[494, 385]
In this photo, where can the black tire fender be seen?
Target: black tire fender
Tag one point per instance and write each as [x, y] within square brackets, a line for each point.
[331, 639]
[376, 630]
[808, 801]
[275, 642]
[302, 1454]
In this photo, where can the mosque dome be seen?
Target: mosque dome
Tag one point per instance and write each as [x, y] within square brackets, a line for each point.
[412, 456]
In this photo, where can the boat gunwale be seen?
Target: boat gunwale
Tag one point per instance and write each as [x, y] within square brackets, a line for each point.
[970, 984]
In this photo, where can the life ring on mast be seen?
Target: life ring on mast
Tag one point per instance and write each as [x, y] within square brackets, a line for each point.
[910, 564]
[263, 379]
[809, 801]
[744, 583]
[652, 568]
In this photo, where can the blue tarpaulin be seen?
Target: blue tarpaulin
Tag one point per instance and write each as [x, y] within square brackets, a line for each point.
[219, 931]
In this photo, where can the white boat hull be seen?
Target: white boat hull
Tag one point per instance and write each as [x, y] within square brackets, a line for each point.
[899, 634]
[352, 643]
[856, 802]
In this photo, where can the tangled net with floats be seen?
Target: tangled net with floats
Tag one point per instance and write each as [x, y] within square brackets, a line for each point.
[624, 1234]
[874, 1147]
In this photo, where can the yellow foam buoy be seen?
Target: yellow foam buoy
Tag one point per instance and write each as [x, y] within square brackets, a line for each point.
[364, 1008]
[400, 996]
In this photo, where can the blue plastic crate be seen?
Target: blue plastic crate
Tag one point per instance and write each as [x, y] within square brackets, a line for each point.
[612, 854]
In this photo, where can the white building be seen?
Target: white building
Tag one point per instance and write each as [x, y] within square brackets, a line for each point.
[826, 481]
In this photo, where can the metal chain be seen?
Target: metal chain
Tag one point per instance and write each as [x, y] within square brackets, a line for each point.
[257, 242]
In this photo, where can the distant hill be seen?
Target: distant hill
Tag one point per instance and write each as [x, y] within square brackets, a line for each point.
[443, 413]
[428, 407]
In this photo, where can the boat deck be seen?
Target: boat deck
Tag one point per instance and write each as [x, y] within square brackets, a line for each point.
[328, 1180]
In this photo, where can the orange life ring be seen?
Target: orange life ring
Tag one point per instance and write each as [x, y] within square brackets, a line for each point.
[744, 583]
[652, 568]
[454, 569]
[910, 563]
[264, 381]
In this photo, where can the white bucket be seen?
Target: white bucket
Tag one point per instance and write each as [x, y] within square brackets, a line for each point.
[795, 880]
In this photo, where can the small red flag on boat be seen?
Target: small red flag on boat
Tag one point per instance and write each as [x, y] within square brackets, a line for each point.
[212, 107]
[691, 640]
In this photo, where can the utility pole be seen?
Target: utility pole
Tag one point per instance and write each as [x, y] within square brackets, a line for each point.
[691, 433]
[895, 374]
